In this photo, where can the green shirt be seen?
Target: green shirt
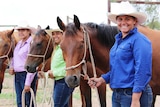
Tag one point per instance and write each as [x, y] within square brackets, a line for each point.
[58, 64]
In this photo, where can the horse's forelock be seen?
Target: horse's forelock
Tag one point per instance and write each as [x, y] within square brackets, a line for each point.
[105, 33]
[41, 32]
[71, 30]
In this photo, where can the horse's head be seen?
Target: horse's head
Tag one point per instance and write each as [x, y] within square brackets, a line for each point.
[73, 47]
[40, 50]
[6, 44]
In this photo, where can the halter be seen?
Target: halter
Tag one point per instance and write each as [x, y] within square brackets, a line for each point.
[83, 61]
[12, 46]
[44, 55]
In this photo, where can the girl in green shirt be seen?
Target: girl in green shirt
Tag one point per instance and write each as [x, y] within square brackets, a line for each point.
[61, 90]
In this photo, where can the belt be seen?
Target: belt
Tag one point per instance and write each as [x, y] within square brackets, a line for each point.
[122, 89]
[20, 72]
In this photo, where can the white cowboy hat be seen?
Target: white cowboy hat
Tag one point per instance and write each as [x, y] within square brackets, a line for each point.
[125, 8]
[49, 31]
[25, 25]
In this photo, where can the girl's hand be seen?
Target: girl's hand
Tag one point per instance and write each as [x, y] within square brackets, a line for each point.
[11, 71]
[50, 74]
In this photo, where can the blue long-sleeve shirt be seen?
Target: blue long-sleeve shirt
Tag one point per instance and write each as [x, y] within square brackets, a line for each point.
[130, 62]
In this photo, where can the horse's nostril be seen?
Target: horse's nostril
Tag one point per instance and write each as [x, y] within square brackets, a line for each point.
[27, 67]
[75, 78]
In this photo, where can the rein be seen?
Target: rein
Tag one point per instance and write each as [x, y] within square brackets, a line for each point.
[32, 98]
[43, 65]
[44, 55]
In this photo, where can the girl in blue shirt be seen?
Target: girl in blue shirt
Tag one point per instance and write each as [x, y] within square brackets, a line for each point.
[130, 61]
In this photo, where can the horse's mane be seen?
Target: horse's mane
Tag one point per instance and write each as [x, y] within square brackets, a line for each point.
[40, 32]
[105, 33]
[71, 29]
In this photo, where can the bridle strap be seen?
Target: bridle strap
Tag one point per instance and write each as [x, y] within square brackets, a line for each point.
[83, 61]
[44, 55]
[12, 46]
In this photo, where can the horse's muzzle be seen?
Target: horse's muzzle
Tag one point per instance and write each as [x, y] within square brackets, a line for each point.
[72, 81]
[30, 69]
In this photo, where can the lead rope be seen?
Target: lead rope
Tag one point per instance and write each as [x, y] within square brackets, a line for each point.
[42, 70]
[83, 62]
[32, 98]
[51, 92]
[84, 67]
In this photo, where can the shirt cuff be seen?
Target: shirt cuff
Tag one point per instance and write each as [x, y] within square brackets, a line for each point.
[137, 89]
[29, 78]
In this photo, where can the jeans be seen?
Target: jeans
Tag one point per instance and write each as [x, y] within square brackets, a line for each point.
[20, 78]
[61, 93]
[123, 97]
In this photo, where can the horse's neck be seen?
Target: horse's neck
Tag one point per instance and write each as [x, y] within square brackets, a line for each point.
[149, 32]
[101, 56]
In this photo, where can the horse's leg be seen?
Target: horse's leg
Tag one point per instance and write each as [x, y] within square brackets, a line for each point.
[2, 73]
[154, 100]
[1, 80]
[85, 93]
[70, 100]
[101, 88]
[102, 94]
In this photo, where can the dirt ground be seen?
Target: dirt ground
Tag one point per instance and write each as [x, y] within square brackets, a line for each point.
[7, 98]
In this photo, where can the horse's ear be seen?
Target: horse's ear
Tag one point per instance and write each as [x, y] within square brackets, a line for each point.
[48, 27]
[60, 24]
[9, 33]
[39, 27]
[76, 22]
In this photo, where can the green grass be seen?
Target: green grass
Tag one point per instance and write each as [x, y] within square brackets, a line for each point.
[6, 95]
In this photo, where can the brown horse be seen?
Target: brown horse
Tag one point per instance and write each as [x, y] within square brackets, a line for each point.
[7, 43]
[101, 40]
[76, 51]
[154, 36]
[40, 51]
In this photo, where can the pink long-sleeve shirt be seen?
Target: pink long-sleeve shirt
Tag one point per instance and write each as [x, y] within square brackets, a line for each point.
[19, 59]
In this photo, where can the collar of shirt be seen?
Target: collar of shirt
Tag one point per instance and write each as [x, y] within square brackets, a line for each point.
[131, 32]
[27, 41]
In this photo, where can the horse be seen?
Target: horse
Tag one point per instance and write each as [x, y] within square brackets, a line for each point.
[7, 44]
[75, 48]
[40, 50]
[154, 36]
[101, 37]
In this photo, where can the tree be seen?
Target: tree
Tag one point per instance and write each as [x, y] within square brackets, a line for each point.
[152, 11]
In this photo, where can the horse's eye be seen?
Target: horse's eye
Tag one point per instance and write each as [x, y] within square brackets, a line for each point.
[81, 45]
[6, 45]
[39, 44]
